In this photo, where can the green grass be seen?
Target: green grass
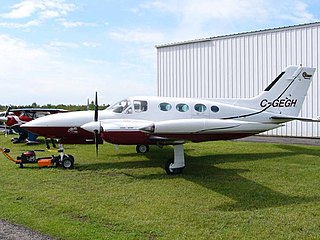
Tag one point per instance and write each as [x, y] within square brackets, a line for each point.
[229, 190]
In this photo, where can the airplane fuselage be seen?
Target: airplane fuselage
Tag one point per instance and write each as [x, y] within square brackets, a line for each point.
[163, 120]
[173, 119]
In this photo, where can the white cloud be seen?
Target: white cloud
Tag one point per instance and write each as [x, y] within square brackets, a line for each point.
[199, 18]
[37, 74]
[91, 44]
[299, 13]
[23, 9]
[17, 57]
[28, 24]
[69, 24]
[44, 8]
[36, 12]
[137, 36]
[202, 10]
[59, 44]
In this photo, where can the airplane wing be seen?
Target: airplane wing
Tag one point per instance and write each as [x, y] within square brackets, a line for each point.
[132, 131]
[291, 118]
[34, 110]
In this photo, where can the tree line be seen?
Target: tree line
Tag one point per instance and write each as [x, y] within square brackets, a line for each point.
[69, 107]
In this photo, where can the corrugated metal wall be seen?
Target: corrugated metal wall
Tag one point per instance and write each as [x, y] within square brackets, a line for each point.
[241, 66]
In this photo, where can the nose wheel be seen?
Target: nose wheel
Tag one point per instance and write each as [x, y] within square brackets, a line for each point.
[67, 162]
[64, 160]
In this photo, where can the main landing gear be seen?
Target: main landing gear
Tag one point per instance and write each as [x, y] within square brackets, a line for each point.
[173, 166]
[176, 165]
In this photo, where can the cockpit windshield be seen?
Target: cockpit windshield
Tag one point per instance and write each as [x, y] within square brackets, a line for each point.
[120, 106]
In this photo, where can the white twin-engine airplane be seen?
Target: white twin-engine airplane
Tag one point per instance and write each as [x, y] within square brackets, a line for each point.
[161, 121]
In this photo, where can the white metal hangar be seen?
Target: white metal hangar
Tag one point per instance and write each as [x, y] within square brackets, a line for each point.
[241, 66]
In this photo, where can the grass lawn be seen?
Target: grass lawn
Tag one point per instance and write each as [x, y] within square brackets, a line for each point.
[229, 190]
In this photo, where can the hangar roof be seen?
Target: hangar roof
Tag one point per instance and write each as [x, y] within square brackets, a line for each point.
[238, 34]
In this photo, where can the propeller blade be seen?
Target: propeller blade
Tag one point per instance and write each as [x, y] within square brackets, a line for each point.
[96, 141]
[95, 128]
[96, 108]
[5, 130]
[96, 117]
[7, 111]
[6, 119]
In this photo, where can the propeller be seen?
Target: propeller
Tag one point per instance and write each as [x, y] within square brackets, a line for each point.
[5, 124]
[7, 111]
[96, 130]
[94, 126]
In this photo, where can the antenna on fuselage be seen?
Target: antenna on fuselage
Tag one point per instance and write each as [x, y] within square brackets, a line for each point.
[88, 104]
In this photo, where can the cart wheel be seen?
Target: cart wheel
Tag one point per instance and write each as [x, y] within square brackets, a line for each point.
[67, 163]
[141, 148]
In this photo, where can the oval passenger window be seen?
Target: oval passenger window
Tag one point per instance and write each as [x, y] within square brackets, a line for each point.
[214, 109]
[165, 106]
[182, 107]
[200, 107]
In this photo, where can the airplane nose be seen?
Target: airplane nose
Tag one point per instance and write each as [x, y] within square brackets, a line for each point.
[92, 127]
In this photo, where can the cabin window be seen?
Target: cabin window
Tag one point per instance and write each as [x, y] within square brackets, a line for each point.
[165, 106]
[215, 109]
[200, 107]
[140, 106]
[182, 107]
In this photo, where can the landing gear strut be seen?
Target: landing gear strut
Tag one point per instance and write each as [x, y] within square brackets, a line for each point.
[176, 165]
[65, 160]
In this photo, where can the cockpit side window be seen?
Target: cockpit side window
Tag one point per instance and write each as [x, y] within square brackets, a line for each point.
[120, 107]
[140, 106]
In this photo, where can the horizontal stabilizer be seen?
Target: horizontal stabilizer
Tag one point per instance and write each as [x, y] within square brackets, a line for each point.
[290, 118]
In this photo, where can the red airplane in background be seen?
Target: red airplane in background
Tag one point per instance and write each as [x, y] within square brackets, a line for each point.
[14, 118]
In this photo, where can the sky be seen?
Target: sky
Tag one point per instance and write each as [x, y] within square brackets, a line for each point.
[62, 51]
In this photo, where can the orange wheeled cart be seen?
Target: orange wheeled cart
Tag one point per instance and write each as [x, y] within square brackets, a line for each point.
[29, 157]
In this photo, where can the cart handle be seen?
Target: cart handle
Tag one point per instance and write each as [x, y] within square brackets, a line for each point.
[5, 152]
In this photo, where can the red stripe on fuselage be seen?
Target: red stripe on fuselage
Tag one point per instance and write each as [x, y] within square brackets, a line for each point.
[71, 135]
[126, 137]
[138, 137]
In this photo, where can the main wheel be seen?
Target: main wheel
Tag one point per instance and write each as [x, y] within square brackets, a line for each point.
[172, 171]
[142, 148]
[67, 163]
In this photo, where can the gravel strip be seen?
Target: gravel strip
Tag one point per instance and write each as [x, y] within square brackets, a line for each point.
[9, 231]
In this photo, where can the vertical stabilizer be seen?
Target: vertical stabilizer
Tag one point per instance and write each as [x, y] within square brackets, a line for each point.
[285, 95]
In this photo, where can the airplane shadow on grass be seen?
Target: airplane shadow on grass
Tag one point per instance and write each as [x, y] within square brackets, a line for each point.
[247, 194]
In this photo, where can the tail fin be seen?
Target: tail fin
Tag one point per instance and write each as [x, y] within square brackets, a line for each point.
[286, 94]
